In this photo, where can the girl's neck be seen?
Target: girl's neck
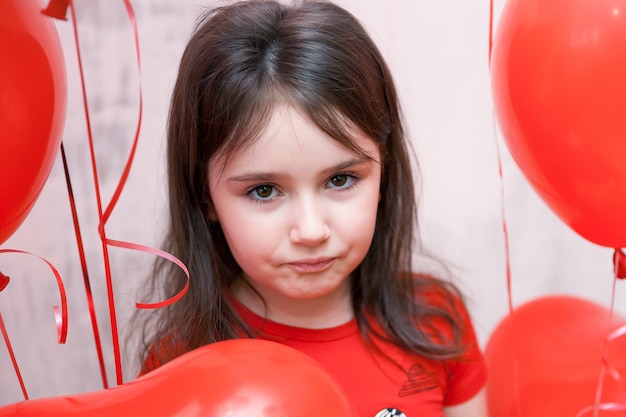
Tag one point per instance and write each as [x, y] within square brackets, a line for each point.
[331, 310]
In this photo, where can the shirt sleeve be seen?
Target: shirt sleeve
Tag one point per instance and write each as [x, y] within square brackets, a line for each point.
[468, 374]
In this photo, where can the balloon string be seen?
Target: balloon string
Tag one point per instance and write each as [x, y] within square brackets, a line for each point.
[7, 342]
[162, 254]
[505, 230]
[83, 263]
[606, 366]
[490, 30]
[124, 177]
[104, 215]
[615, 407]
[129, 161]
[615, 334]
[60, 316]
[134, 246]
[109, 285]
[509, 285]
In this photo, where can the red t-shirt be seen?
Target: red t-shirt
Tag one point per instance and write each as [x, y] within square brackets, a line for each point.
[377, 386]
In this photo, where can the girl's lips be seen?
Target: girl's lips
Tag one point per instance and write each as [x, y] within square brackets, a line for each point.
[311, 265]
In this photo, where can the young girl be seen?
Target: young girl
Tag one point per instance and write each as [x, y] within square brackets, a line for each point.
[292, 203]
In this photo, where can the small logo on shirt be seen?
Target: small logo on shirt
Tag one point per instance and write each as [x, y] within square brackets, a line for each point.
[420, 379]
[390, 412]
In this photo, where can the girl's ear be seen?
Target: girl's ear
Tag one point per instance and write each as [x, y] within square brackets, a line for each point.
[211, 213]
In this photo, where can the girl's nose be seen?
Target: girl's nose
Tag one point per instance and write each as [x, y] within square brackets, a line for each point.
[309, 225]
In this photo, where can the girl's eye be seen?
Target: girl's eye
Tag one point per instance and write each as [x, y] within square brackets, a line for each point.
[341, 181]
[263, 192]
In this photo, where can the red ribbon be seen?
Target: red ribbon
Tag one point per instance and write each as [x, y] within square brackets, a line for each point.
[83, 263]
[607, 367]
[505, 230]
[60, 315]
[4, 281]
[58, 8]
[7, 342]
[490, 30]
[162, 254]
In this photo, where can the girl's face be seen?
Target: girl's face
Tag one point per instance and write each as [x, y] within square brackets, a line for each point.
[298, 210]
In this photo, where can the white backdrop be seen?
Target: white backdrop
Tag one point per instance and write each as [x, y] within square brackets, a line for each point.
[438, 53]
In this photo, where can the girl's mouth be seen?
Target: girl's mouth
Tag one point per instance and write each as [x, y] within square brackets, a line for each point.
[311, 265]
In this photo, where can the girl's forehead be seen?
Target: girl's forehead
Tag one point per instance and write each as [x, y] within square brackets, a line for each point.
[290, 135]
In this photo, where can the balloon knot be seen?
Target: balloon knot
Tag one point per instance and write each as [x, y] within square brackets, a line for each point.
[4, 281]
[619, 261]
[57, 9]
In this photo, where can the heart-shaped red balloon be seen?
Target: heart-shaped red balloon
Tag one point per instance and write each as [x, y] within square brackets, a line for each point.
[545, 359]
[234, 378]
[32, 107]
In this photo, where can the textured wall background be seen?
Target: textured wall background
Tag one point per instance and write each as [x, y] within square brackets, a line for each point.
[438, 52]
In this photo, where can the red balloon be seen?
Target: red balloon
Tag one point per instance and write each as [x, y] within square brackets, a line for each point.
[557, 72]
[545, 359]
[32, 107]
[234, 378]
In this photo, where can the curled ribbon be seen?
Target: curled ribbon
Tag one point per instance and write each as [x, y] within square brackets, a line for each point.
[4, 281]
[58, 9]
[615, 407]
[615, 334]
[60, 315]
[162, 254]
[607, 367]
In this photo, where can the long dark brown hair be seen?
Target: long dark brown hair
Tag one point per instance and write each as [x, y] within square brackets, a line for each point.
[241, 61]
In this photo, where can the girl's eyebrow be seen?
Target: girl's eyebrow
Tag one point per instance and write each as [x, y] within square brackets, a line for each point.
[276, 176]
